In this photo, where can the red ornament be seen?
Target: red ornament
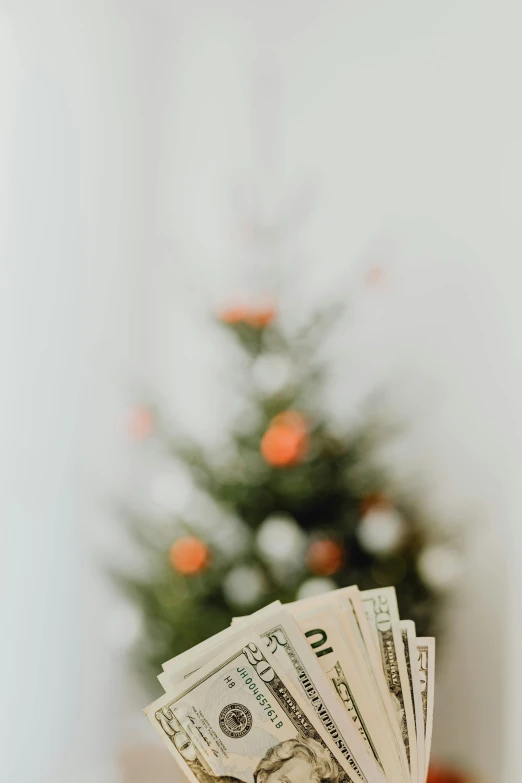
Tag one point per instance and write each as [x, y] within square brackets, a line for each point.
[140, 423]
[375, 500]
[189, 555]
[285, 442]
[439, 774]
[324, 557]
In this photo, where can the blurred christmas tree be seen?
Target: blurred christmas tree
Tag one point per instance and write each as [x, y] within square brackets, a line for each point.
[294, 506]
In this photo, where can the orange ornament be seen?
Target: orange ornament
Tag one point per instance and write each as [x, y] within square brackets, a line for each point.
[438, 774]
[324, 557]
[189, 555]
[140, 423]
[233, 315]
[257, 317]
[286, 441]
[375, 276]
[260, 318]
[282, 446]
[290, 419]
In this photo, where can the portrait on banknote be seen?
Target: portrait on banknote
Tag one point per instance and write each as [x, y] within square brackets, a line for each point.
[292, 761]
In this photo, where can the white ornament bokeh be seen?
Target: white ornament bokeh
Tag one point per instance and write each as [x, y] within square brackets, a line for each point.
[244, 585]
[230, 536]
[381, 531]
[439, 567]
[281, 540]
[171, 490]
[317, 585]
[272, 372]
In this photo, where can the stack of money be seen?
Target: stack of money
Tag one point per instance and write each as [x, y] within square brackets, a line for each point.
[332, 689]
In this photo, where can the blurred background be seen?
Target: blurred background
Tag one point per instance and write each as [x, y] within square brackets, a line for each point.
[184, 187]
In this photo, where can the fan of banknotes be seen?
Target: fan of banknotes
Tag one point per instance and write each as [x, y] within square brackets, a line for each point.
[332, 689]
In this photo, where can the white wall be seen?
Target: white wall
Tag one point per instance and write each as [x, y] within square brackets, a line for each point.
[76, 179]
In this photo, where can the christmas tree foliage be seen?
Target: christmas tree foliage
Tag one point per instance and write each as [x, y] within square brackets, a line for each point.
[295, 506]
